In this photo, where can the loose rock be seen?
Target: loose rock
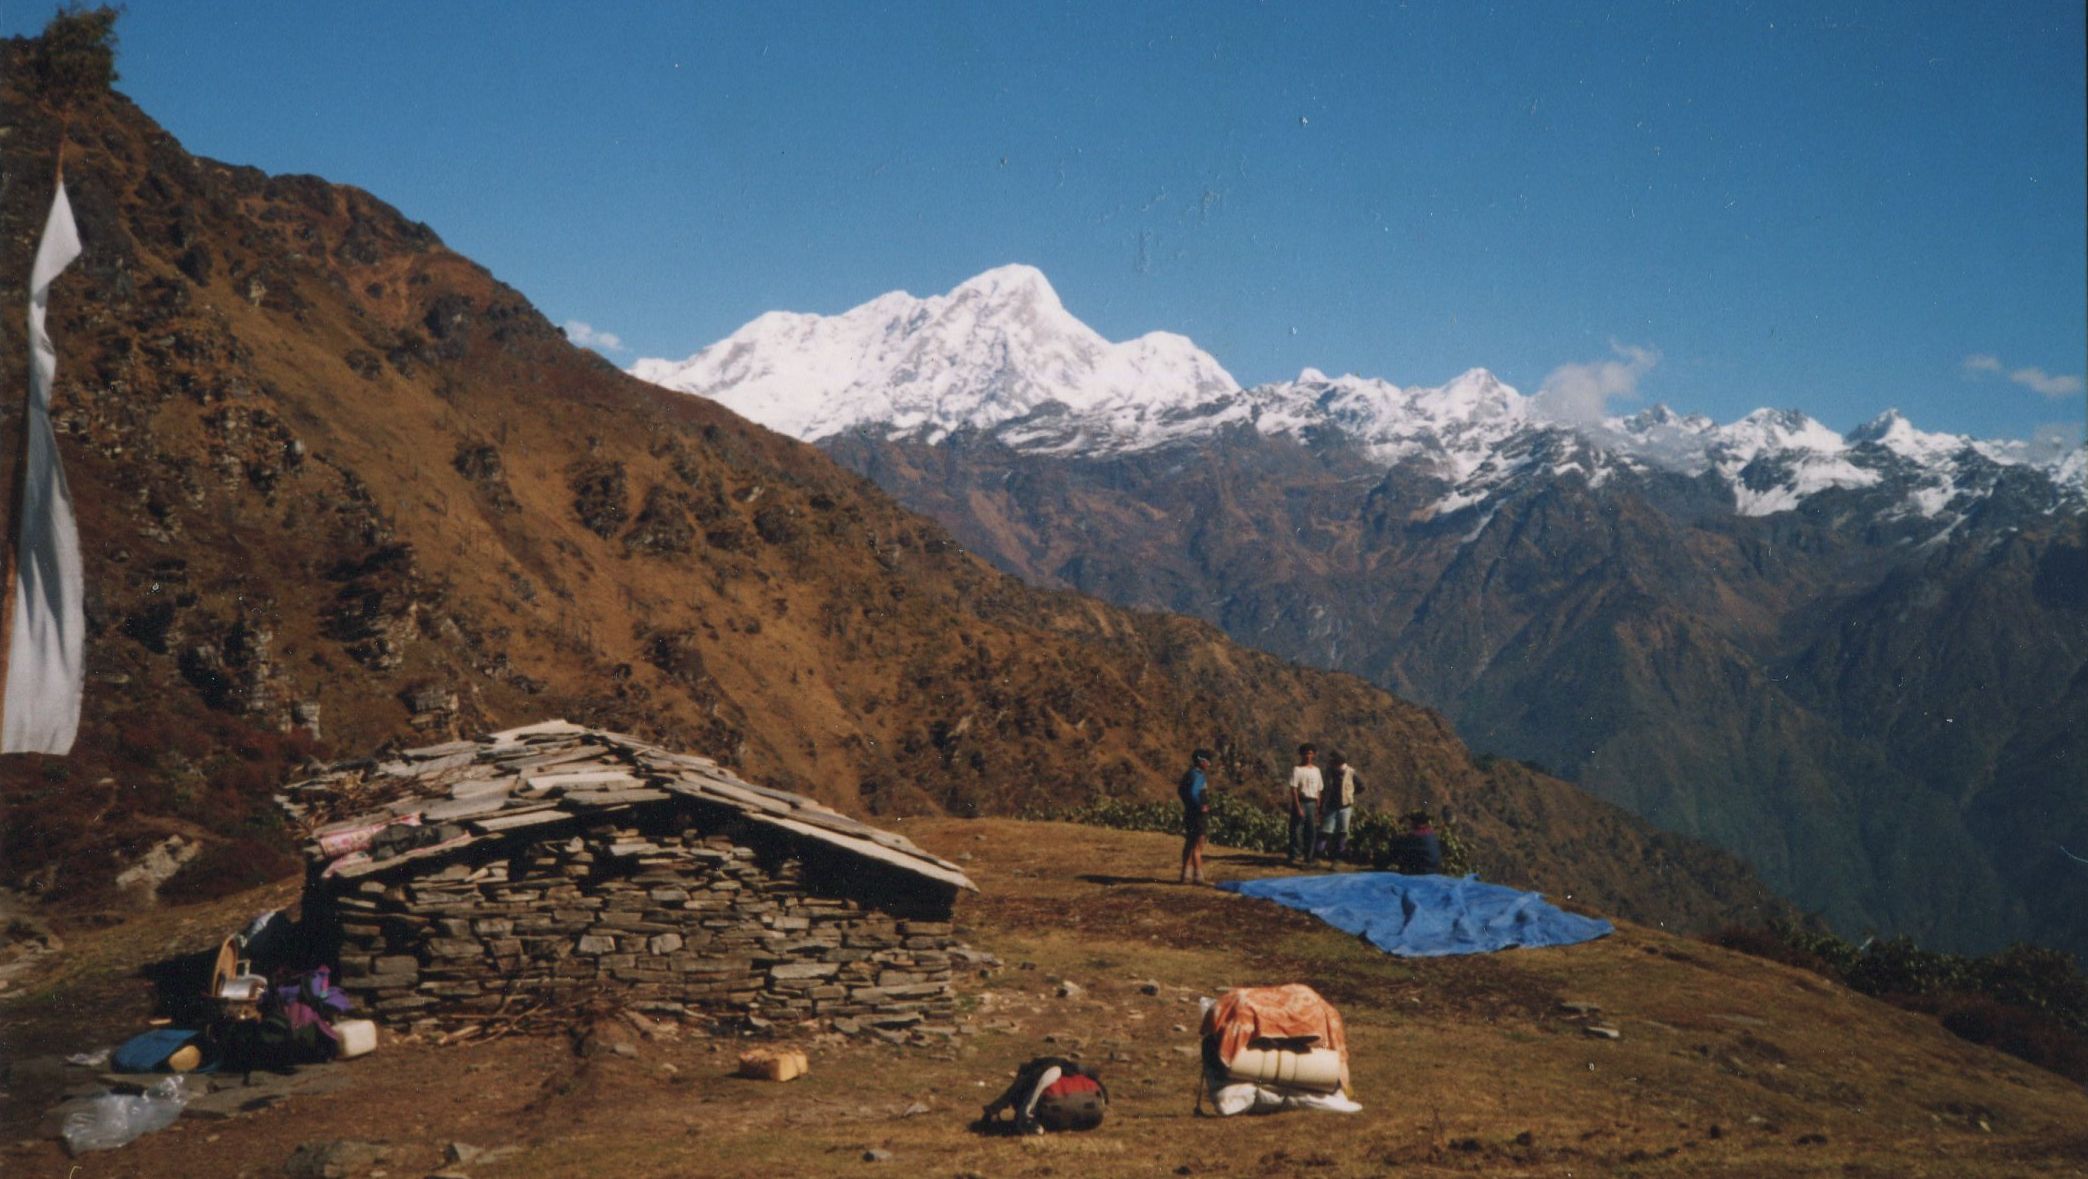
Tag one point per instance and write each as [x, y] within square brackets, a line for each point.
[334, 1160]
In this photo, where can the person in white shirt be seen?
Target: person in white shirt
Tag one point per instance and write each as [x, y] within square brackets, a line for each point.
[1338, 807]
[1305, 788]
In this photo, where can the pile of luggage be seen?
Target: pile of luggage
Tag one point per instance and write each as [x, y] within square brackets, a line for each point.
[1274, 1048]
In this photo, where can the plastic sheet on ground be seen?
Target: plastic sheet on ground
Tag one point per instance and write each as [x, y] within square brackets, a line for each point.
[112, 1119]
[1427, 916]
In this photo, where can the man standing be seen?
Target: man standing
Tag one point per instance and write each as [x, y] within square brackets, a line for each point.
[1195, 790]
[1339, 806]
[1305, 787]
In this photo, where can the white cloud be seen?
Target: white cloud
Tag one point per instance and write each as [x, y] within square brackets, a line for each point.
[2037, 380]
[587, 337]
[1581, 393]
[2050, 384]
[2053, 439]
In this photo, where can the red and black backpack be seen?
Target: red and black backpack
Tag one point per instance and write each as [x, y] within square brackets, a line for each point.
[1076, 1101]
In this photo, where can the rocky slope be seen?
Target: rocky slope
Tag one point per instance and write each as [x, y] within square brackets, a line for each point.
[338, 487]
[1859, 661]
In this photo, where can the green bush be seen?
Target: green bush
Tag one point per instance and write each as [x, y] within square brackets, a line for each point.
[76, 56]
[2026, 1000]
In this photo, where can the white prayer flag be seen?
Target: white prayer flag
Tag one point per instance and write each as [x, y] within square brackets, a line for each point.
[47, 636]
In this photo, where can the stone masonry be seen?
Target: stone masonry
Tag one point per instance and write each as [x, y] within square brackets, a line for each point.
[672, 922]
[666, 900]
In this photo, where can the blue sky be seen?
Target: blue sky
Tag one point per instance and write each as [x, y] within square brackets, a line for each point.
[1837, 206]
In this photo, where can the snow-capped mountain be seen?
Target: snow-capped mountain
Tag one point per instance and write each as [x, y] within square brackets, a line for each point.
[1000, 348]
[1001, 355]
[1633, 601]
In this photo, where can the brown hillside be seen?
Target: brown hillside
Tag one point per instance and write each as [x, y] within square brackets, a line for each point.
[322, 462]
[1882, 723]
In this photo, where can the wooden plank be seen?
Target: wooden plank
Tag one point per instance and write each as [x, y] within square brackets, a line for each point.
[745, 798]
[464, 808]
[682, 759]
[420, 853]
[933, 870]
[569, 779]
[540, 729]
[845, 825]
[626, 740]
[445, 749]
[796, 801]
[577, 753]
[481, 787]
[509, 822]
[613, 797]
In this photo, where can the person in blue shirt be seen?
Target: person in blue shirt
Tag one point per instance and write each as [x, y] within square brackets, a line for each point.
[1195, 790]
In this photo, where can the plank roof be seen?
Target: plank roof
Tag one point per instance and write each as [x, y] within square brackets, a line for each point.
[522, 777]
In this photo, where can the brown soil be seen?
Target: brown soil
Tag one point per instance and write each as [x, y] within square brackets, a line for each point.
[1726, 1064]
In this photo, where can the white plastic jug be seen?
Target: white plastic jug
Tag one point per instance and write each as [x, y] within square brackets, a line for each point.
[1318, 1070]
[358, 1036]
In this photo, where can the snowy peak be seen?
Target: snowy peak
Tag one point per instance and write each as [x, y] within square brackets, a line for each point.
[1001, 354]
[1781, 429]
[1892, 431]
[1014, 285]
[999, 349]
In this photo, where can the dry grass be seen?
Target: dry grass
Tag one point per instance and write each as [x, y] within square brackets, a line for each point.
[1727, 1065]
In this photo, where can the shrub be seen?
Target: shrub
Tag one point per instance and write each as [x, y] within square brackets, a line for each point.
[2027, 1001]
[76, 56]
[2021, 1032]
[2041, 979]
[1236, 822]
[1896, 966]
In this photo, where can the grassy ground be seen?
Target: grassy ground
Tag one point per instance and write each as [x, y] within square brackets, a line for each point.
[1726, 1065]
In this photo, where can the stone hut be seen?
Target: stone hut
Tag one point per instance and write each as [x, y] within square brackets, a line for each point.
[546, 868]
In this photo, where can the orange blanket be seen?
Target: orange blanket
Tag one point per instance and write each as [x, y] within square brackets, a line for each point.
[1293, 1009]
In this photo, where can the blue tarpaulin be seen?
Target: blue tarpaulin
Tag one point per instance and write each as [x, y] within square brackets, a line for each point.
[147, 1052]
[1427, 916]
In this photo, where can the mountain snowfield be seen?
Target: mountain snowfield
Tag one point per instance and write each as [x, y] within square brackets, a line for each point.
[1001, 355]
[1000, 347]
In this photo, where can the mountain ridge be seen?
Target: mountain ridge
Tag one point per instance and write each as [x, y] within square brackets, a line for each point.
[1684, 621]
[1043, 382]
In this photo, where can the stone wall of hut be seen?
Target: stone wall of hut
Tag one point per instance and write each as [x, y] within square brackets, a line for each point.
[658, 910]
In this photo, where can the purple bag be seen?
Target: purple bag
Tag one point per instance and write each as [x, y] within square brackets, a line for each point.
[311, 1000]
